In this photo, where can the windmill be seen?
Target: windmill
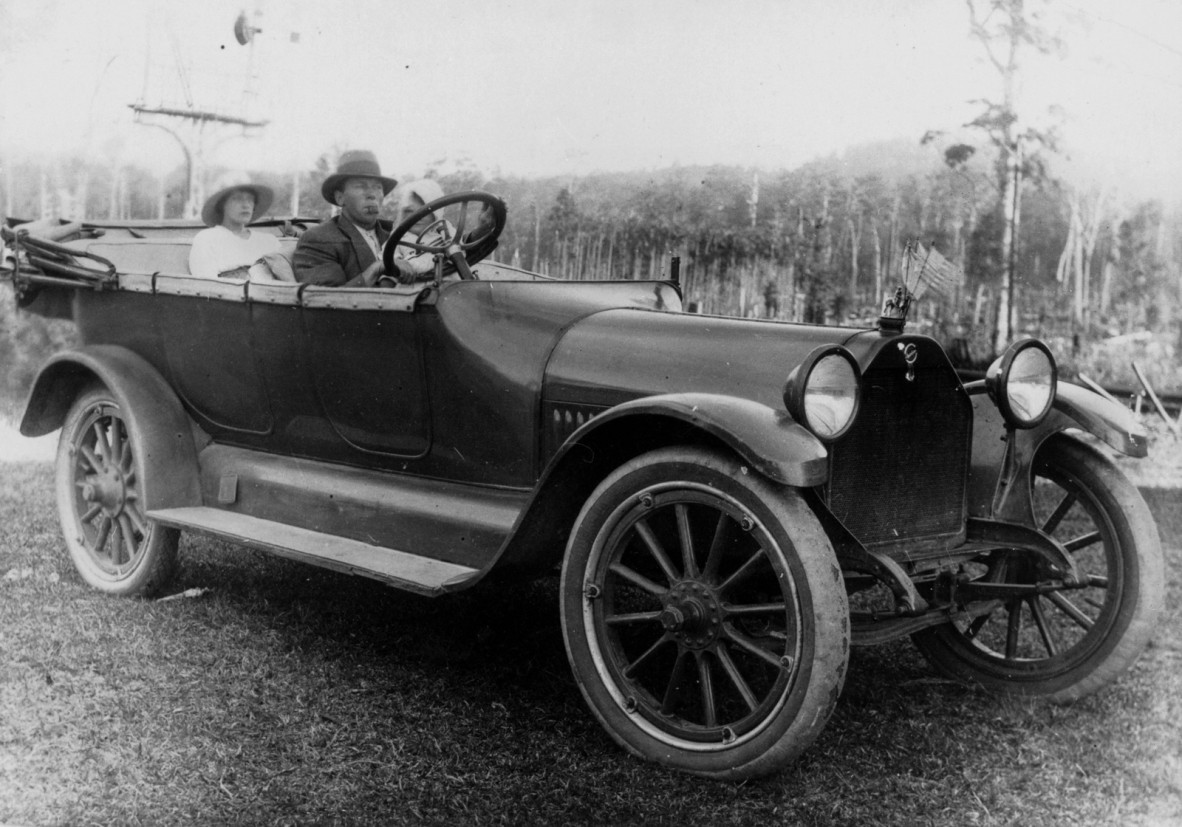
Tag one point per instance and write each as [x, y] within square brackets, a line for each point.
[173, 102]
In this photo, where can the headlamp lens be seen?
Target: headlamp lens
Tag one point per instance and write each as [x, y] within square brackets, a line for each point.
[831, 396]
[1022, 383]
[1030, 387]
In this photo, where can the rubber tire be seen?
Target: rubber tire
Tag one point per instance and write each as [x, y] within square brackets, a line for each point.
[155, 561]
[807, 556]
[1117, 509]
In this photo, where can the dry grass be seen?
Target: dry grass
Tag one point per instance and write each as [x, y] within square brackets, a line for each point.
[290, 695]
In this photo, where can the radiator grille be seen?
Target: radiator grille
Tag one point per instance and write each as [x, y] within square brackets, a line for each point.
[900, 473]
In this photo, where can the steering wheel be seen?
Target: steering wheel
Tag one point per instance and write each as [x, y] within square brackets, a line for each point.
[441, 237]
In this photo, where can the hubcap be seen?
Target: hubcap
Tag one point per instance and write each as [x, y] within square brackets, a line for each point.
[692, 614]
[106, 489]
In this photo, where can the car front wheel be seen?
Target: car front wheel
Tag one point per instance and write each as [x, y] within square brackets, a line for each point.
[704, 614]
[114, 546]
[1063, 644]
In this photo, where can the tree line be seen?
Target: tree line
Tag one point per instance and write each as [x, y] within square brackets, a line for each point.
[819, 243]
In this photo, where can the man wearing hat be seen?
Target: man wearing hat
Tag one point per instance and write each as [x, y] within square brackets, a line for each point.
[346, 250]
[229, 246]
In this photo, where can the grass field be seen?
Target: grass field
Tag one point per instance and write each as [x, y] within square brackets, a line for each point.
[289, 695]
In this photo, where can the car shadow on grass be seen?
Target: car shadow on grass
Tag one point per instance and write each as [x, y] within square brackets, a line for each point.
[502, 644]
[496, 637]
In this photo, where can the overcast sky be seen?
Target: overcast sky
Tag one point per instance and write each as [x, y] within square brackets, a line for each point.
[540, 87]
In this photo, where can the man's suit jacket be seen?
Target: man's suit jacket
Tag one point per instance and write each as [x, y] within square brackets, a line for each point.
[333, 253]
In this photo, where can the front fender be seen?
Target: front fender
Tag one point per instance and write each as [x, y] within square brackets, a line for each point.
[167, 457]
[999, 479]
[770, 441]
[1077, 407]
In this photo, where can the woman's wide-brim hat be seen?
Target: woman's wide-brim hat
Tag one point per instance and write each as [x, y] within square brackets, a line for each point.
[211, 213]
[356, 163]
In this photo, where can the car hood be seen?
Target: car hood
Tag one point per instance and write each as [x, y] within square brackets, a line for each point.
[616, 355]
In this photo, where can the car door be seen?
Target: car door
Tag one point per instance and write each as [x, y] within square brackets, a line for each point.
[366, 368]
[205, 332]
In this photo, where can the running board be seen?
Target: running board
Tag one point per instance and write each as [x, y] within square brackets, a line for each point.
[411, 572]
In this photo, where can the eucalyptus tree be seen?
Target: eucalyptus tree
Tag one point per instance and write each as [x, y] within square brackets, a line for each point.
[1008, 31]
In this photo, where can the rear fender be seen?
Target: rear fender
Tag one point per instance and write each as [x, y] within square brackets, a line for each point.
[769, 442]
[999, 480]
[167, 457]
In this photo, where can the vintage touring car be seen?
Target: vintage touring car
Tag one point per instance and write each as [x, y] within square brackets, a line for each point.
[732, 502]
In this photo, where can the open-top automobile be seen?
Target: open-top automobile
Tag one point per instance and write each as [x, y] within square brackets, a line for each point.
[731, 503]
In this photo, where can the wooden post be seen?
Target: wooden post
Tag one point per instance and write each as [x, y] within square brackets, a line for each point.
[1156, 402]
[1091, 384]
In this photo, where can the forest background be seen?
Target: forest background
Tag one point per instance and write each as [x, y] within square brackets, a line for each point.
[1097, 276]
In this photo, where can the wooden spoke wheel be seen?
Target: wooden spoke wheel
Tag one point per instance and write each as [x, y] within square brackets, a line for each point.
[704, 614]
[114, 546]
[1065, 643]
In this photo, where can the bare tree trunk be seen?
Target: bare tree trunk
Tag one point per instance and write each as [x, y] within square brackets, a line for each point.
[1016, 33]
[1011, 202]
[890, 263]
[825, 234]
[753, 201]
[113, 194]
[611, 251]
[1075, 263]
[537, 236]
[1110, 265]
[877, 262]
[855, 231]
[1079, 274]
[294, 206]
[1091, 233]
[80, 195]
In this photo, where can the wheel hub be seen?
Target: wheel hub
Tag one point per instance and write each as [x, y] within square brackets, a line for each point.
[107, 489]
[692, 614]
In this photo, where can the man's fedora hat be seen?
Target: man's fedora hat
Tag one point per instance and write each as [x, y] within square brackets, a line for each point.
[211, 212]
[356, 163]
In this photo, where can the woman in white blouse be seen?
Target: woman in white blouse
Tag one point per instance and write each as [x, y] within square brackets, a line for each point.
[229, 247]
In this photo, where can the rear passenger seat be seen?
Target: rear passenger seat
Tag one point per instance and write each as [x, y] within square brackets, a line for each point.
[170, 256]
[147, 256]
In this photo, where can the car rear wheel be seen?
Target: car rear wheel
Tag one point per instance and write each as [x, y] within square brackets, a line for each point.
[1064, 644]
[704, 614]
[114, 546]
